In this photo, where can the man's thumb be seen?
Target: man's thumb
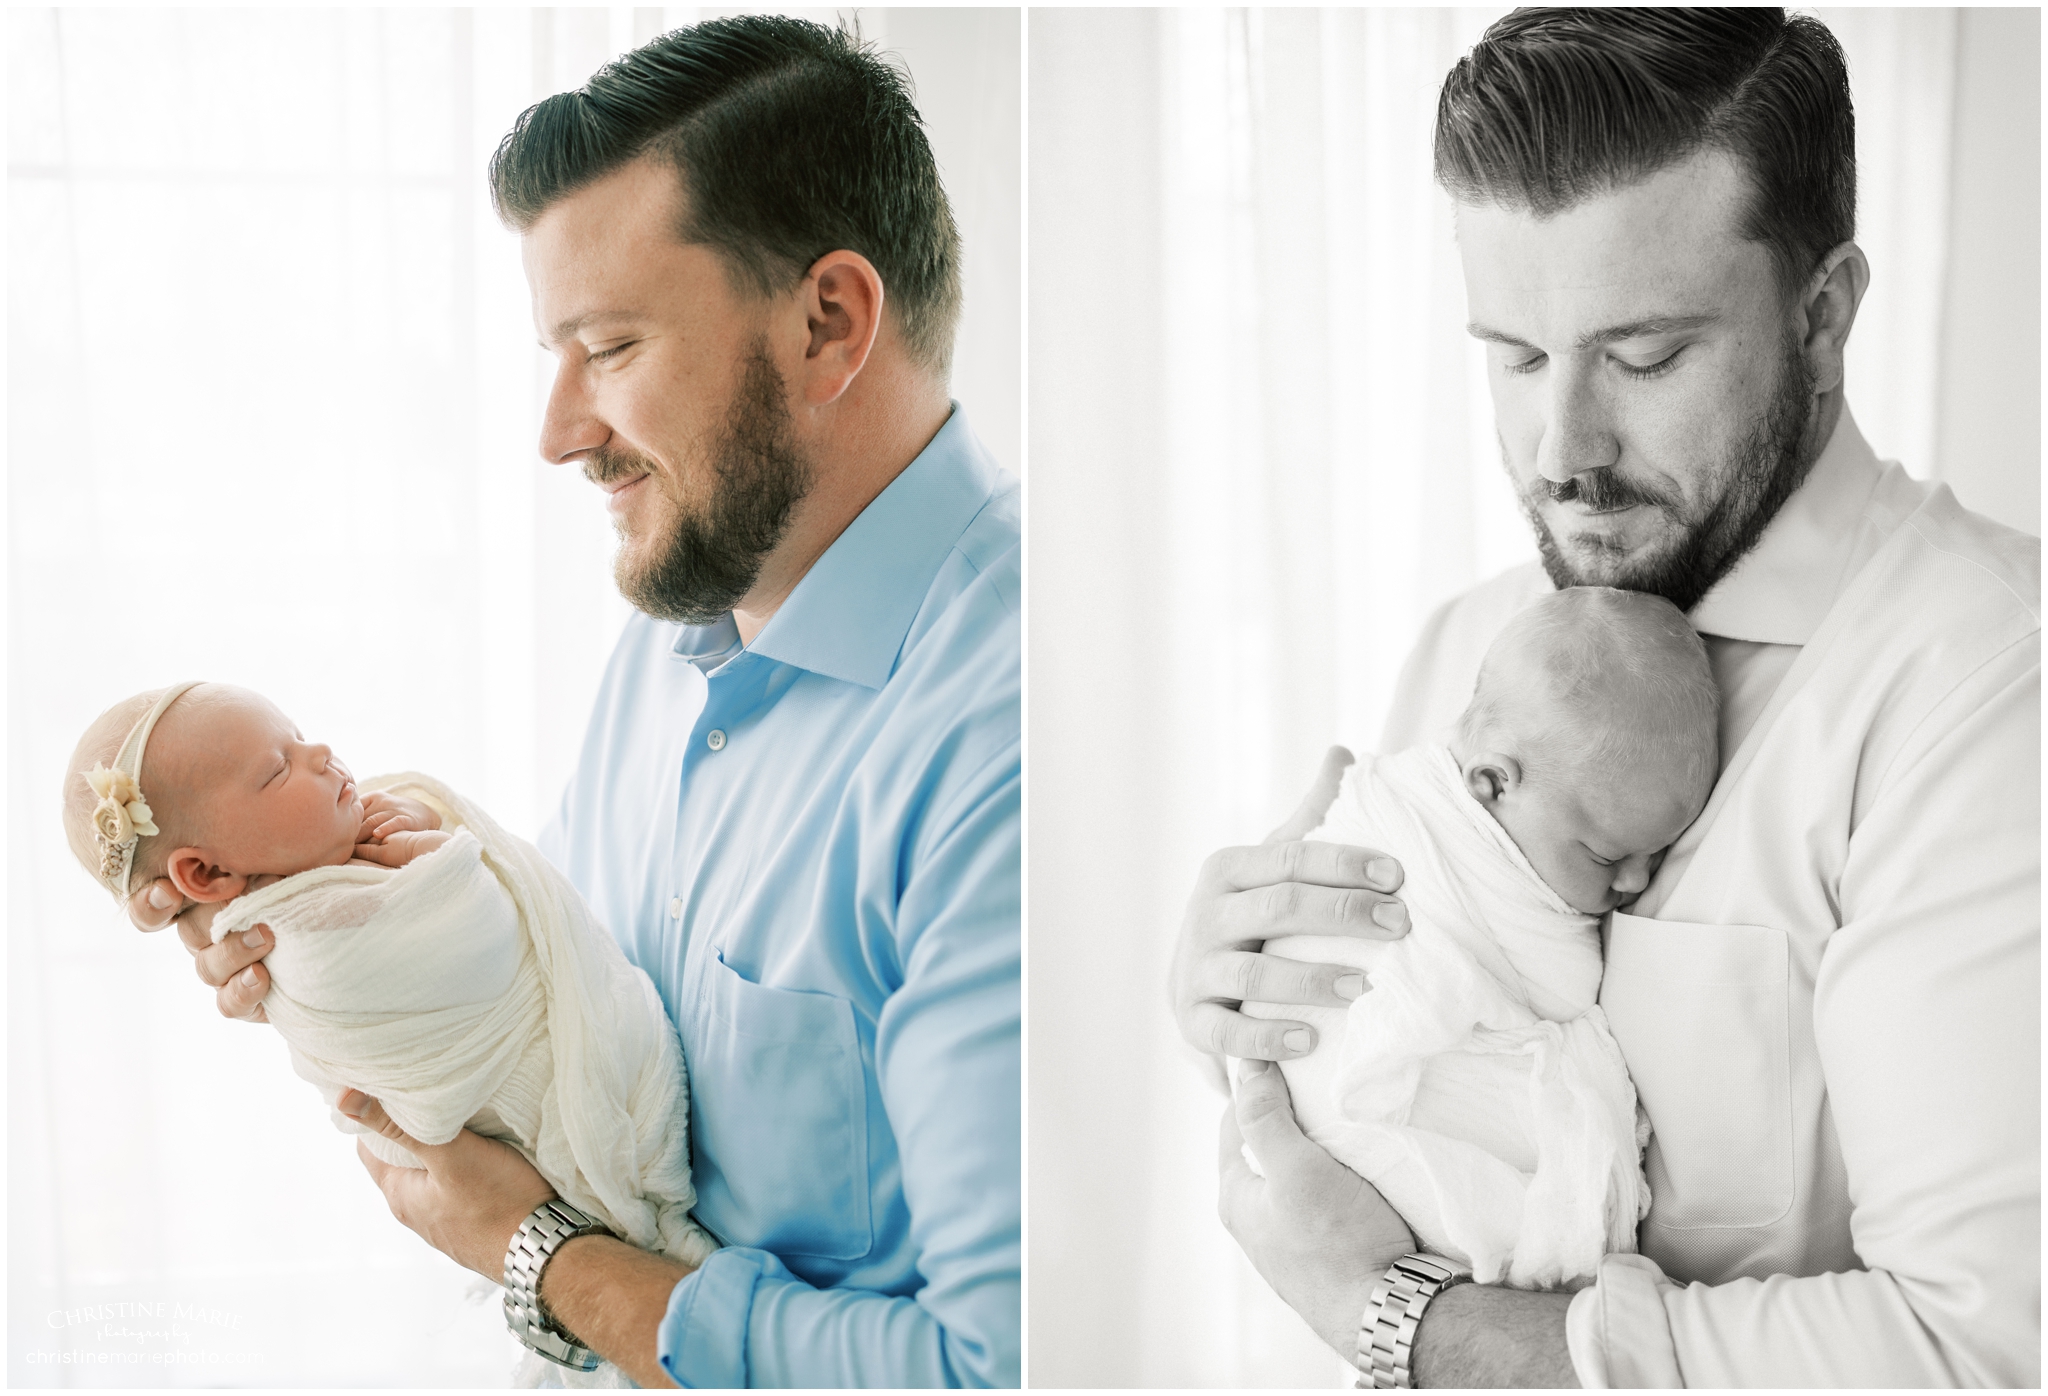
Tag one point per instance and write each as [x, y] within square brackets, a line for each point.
[368, 1112]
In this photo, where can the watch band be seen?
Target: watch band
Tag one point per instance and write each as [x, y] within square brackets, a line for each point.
[533, 1245]
[1386, 1332]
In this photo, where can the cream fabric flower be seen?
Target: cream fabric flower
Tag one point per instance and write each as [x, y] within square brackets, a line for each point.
[122, 813]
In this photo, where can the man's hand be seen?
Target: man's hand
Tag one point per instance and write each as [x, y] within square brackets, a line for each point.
[1317, 1232]
[1247, 896]
[385, 814]
[401, 846]
[468, 1201]
[232, 968]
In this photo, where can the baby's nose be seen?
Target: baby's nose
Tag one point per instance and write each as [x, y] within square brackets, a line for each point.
[1631, 876]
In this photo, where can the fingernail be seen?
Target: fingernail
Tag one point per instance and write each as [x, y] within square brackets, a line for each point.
[1383, 872]
[248, 977]
[160, 898]
[1249, 1067]
[1350, 986]
[1391, 915]
[1298, 1040]
[252, 938]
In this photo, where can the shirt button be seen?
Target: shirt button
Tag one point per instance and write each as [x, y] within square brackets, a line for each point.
[715, 739]
[675, 908]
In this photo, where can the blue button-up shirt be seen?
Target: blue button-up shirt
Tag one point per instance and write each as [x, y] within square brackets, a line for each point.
[811, 845]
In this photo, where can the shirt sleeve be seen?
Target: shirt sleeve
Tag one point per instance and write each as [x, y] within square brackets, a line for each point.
[949, 1063]
[1927, 1021]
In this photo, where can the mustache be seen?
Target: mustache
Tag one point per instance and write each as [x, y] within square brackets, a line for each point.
[1601, 490]
[608, 463]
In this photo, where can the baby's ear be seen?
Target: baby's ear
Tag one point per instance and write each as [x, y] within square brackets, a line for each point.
[1490, 775]
[200, 880]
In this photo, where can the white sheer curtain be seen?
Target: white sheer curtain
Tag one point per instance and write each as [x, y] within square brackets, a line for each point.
[1262, 452]
[272, 403]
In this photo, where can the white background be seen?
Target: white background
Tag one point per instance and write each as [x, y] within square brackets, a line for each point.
[1262, 453]
[272, 397]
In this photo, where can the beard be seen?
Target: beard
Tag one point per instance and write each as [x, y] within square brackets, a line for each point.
[712, 556]
[1767, 466]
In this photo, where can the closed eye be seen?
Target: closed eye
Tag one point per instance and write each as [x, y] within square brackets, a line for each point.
[1528, 365]
[1655, 370]
[600, 355]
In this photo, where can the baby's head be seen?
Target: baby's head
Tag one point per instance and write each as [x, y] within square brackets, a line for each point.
[1593, 738]
[230, 787]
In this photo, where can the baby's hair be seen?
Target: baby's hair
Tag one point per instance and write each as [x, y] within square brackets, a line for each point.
[1594, 653]
[160, 787]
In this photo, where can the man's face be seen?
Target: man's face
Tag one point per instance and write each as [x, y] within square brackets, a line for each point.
[1653, 405]
[667, 393]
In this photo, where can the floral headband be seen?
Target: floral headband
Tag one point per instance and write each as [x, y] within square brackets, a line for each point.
[122, 816]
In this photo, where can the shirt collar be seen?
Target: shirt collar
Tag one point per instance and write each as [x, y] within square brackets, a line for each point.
[1777, 593]
[847, 618]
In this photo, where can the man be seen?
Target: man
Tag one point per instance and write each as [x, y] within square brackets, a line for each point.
[1828, 995]
[797, 805]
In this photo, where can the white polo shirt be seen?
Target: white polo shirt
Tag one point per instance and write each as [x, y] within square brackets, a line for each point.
[1829, 998]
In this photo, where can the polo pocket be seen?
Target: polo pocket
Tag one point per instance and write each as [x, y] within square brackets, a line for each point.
[778, 1118]
[1703, 1016]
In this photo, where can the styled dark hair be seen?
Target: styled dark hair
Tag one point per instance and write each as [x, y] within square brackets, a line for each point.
[1552, 107]
[790, 139]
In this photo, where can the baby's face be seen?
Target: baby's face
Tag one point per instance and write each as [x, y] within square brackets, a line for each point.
[267, 800]
[1597, 847]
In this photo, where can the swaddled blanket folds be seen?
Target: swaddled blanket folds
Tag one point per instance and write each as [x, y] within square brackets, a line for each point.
[473, 987]
[1475, 1083]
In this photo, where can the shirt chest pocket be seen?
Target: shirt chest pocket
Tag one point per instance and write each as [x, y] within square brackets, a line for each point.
[778, 1118]
[1703, 1016]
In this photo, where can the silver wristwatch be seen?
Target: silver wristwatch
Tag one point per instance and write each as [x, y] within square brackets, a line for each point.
[536, 1241]
[1386, 1333]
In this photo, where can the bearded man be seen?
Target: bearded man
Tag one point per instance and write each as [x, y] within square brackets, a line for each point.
[798, 803]
[1828, 996]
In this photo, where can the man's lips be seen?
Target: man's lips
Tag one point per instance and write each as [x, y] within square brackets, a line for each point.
[621, 490]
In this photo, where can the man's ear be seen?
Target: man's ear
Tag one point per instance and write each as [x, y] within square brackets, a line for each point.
[842, 303]
[1833, 294]
[1491, 775]
[202, 881]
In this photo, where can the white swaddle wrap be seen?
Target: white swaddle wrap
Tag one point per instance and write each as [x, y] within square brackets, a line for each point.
[473, 987]
[1475, 1083]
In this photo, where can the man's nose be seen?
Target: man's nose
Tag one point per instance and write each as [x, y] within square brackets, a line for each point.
[570, 427]
[1577, 437]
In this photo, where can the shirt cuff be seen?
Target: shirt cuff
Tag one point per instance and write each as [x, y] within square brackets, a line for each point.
[703, 1339]
[1616, 1330]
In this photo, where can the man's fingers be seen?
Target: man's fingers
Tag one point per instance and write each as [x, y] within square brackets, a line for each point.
[1230, 1033]
[153, 906]
[243, 995]
[1246, 975]
[219, 964]
[1307, 908]
[1314, 805]
[1265, 1116]
[1319, 864]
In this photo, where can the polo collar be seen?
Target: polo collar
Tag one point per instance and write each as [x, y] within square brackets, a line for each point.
[1779, 591]
[847, 618]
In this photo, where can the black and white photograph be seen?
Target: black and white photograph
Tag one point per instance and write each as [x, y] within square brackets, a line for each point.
[1618, 431]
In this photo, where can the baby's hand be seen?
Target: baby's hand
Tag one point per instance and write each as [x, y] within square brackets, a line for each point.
[397, 849]
[385, 814]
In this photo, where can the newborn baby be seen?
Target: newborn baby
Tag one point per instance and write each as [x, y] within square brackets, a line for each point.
[1475, 1083]
[423, 955]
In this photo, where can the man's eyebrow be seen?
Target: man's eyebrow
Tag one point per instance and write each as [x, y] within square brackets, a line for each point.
[566, 329]
[1634, 329]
